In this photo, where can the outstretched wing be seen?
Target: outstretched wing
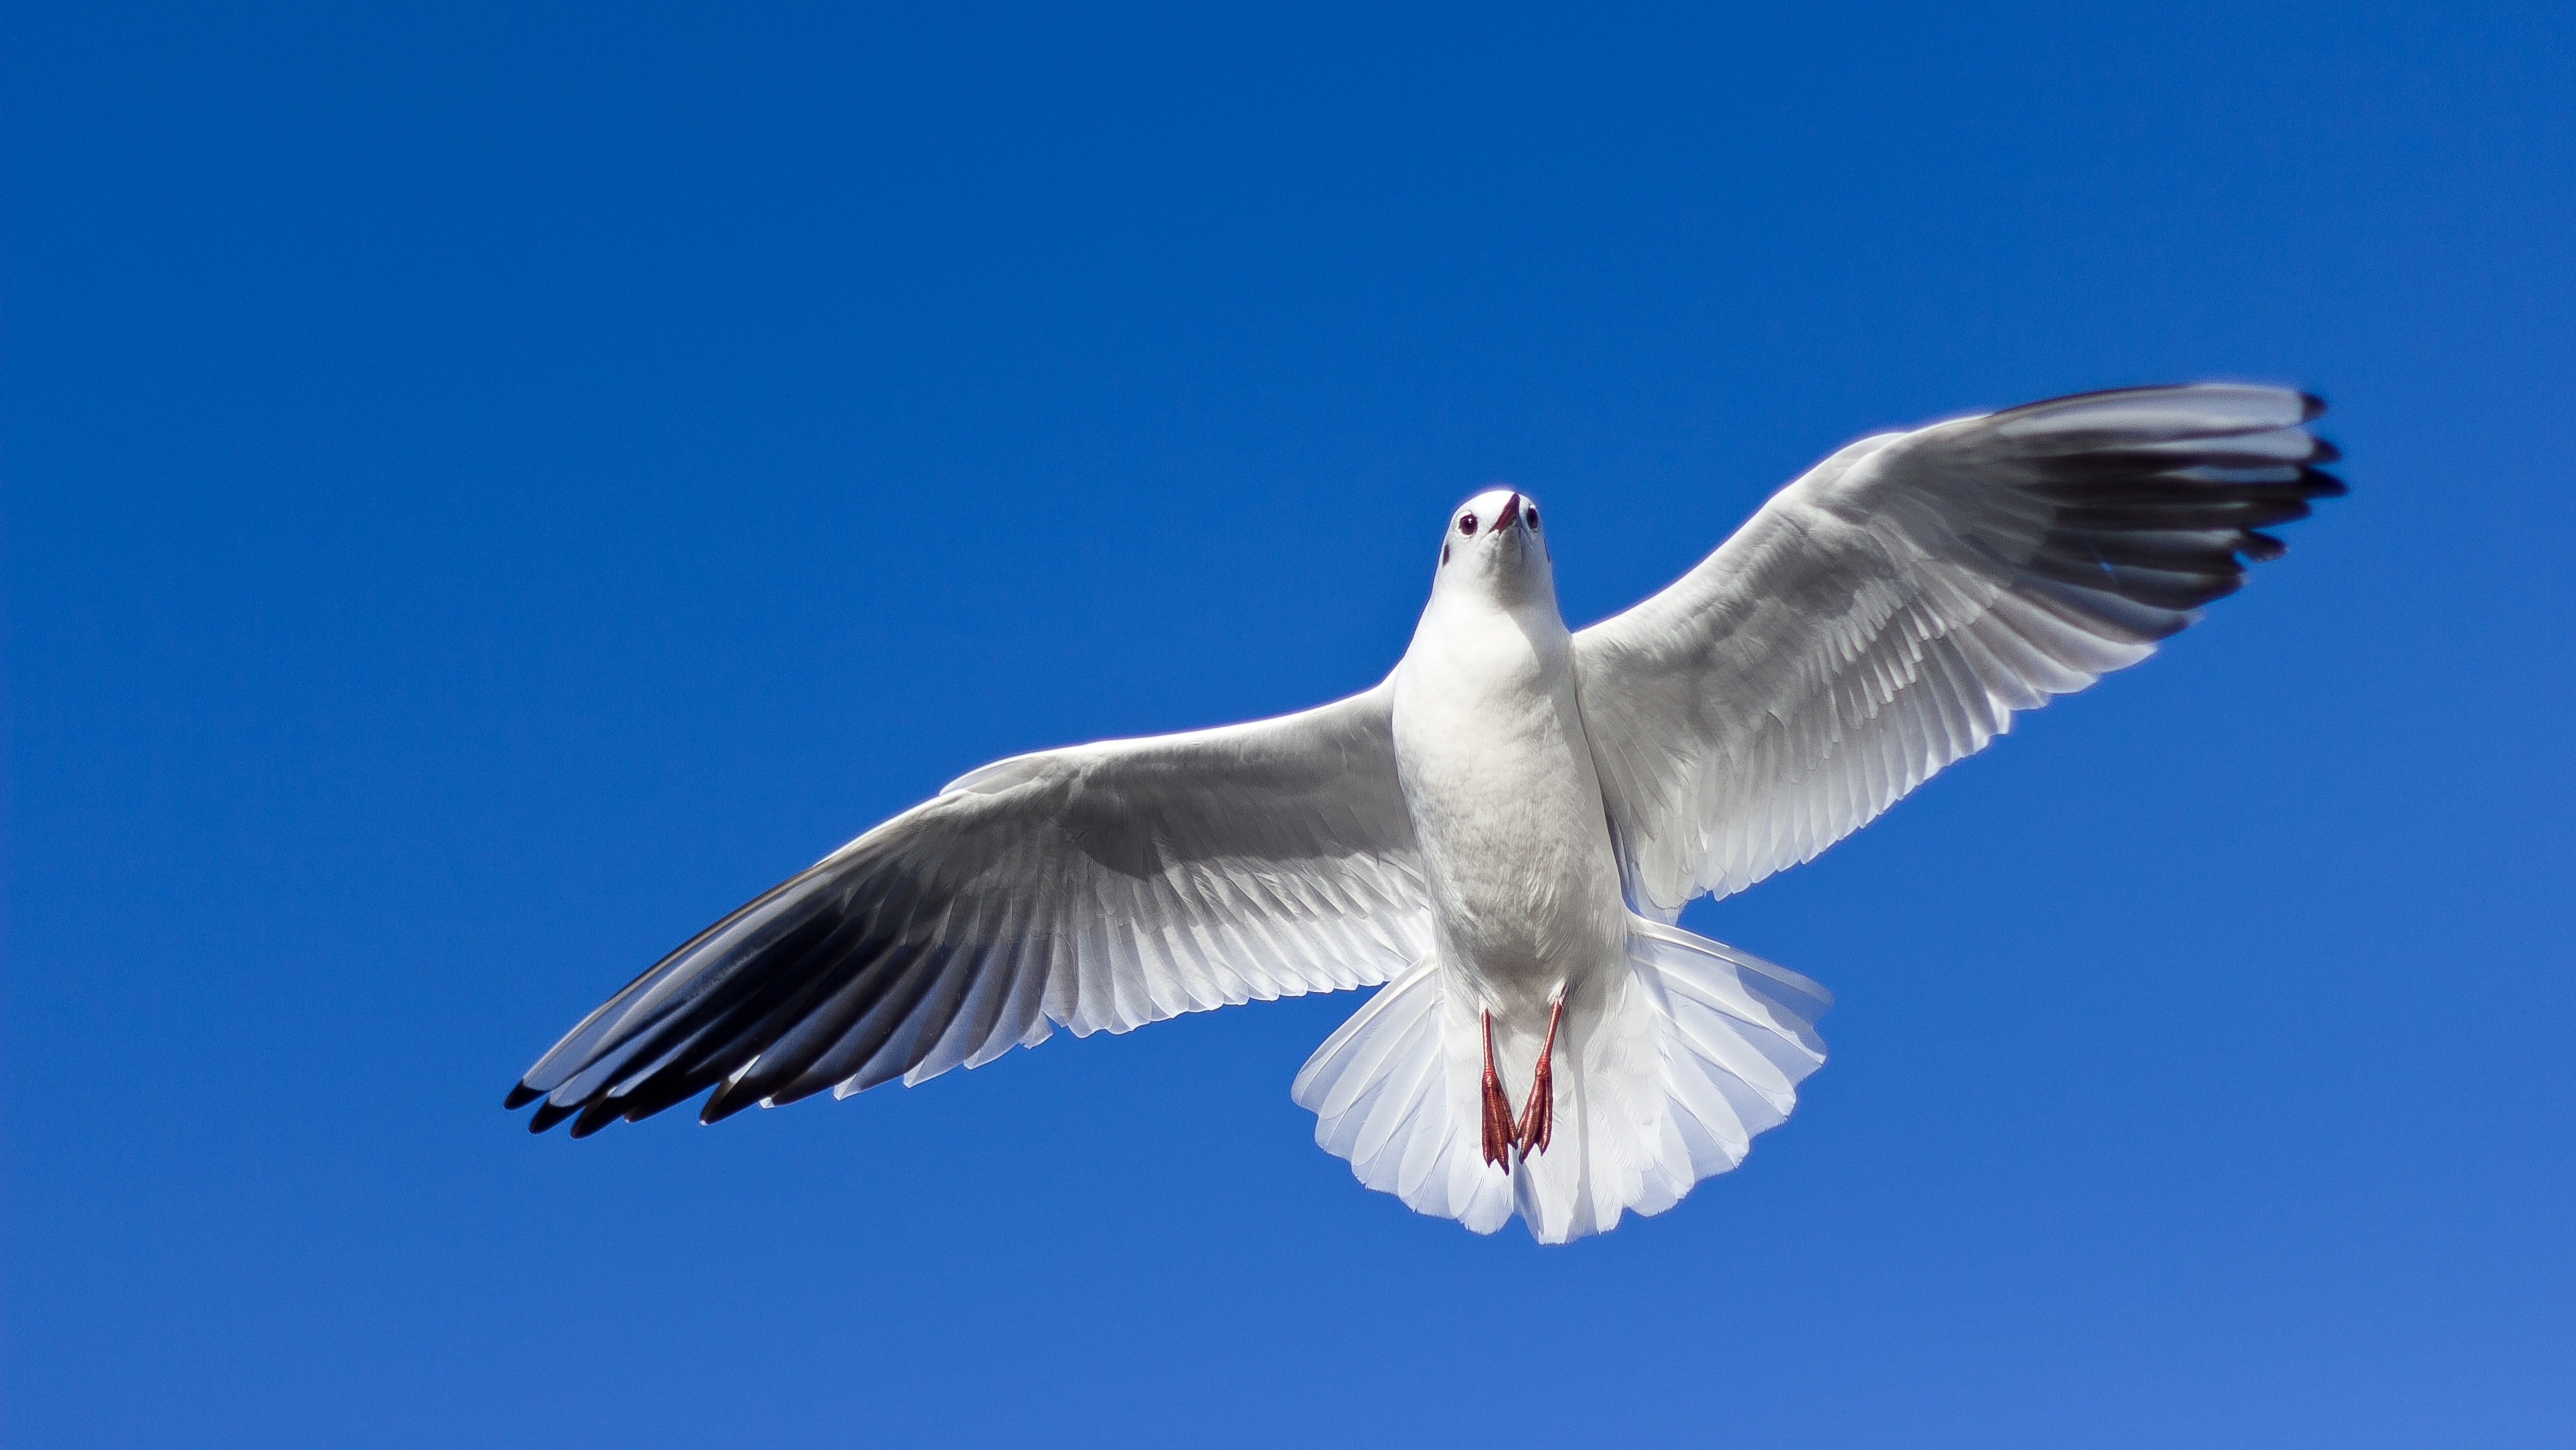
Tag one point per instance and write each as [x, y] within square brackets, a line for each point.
[1885, 614]
[1097, 887]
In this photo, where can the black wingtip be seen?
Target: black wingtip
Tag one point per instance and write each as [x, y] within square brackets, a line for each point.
[722, 1105]
[2310, 407]
[597, 1116]
[549, 1115]
[2321, 484]
[520, 1096]
[2257, 547]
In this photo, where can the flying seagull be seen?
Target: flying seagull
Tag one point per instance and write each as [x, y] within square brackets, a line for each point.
[1503, 831]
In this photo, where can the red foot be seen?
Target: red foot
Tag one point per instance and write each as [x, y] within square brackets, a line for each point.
[1538, 1116]
[1499, 1133]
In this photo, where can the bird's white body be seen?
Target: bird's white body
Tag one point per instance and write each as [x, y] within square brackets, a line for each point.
[1506, 805]
[1511, 823]
[1498, 779]
[1529, 916]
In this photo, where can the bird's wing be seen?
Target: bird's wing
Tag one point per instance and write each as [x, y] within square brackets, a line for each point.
[1885, 614]
[1098, 887]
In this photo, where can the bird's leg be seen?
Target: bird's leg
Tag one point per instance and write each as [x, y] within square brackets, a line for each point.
[1498, 1108]
[1538, 1116]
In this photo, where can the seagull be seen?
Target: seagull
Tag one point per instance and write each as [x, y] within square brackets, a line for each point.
[1502, 833]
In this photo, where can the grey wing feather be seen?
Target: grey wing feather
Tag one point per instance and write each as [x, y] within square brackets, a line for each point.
[1887, 613]
[1097, 887]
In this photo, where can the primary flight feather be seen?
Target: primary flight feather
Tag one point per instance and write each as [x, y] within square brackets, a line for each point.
[1505, 829]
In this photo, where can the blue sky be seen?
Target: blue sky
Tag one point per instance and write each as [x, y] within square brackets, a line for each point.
[489, 488]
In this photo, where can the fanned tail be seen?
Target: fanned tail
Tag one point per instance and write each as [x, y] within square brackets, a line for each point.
[1662, 1080]
[1384, 1092]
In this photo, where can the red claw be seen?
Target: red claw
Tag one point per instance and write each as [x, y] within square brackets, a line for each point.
[1538, 1117]
[1499, 1133]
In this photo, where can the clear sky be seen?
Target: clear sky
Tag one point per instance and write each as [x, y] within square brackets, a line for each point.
[491, 487]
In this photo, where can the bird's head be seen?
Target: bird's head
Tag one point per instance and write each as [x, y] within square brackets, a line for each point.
[1493, 549]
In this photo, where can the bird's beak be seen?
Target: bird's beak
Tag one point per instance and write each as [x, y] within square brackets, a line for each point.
[1510, 515]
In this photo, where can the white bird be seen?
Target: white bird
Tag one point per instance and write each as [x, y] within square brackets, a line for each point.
[1505, 829]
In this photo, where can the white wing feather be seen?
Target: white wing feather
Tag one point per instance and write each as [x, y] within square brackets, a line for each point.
[1097, 887]
[1887, 613]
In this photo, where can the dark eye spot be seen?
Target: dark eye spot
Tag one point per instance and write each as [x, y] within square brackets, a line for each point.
[1444, 553]
[1466, 523]
[1532, 516]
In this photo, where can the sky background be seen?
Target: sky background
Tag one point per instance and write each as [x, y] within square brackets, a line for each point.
[489, 488]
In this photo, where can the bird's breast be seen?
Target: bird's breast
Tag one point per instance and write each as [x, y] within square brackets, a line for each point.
[1498, 778]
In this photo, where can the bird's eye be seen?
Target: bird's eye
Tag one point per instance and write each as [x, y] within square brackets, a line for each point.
[1531, 514]
[1466, 523]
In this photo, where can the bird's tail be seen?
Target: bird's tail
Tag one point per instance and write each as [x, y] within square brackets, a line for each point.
[1690, 1052]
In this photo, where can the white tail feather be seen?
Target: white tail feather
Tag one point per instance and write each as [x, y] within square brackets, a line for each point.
[1695, 1049]
[1382, 1091]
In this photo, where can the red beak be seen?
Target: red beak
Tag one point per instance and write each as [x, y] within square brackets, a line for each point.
[1510, 515]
